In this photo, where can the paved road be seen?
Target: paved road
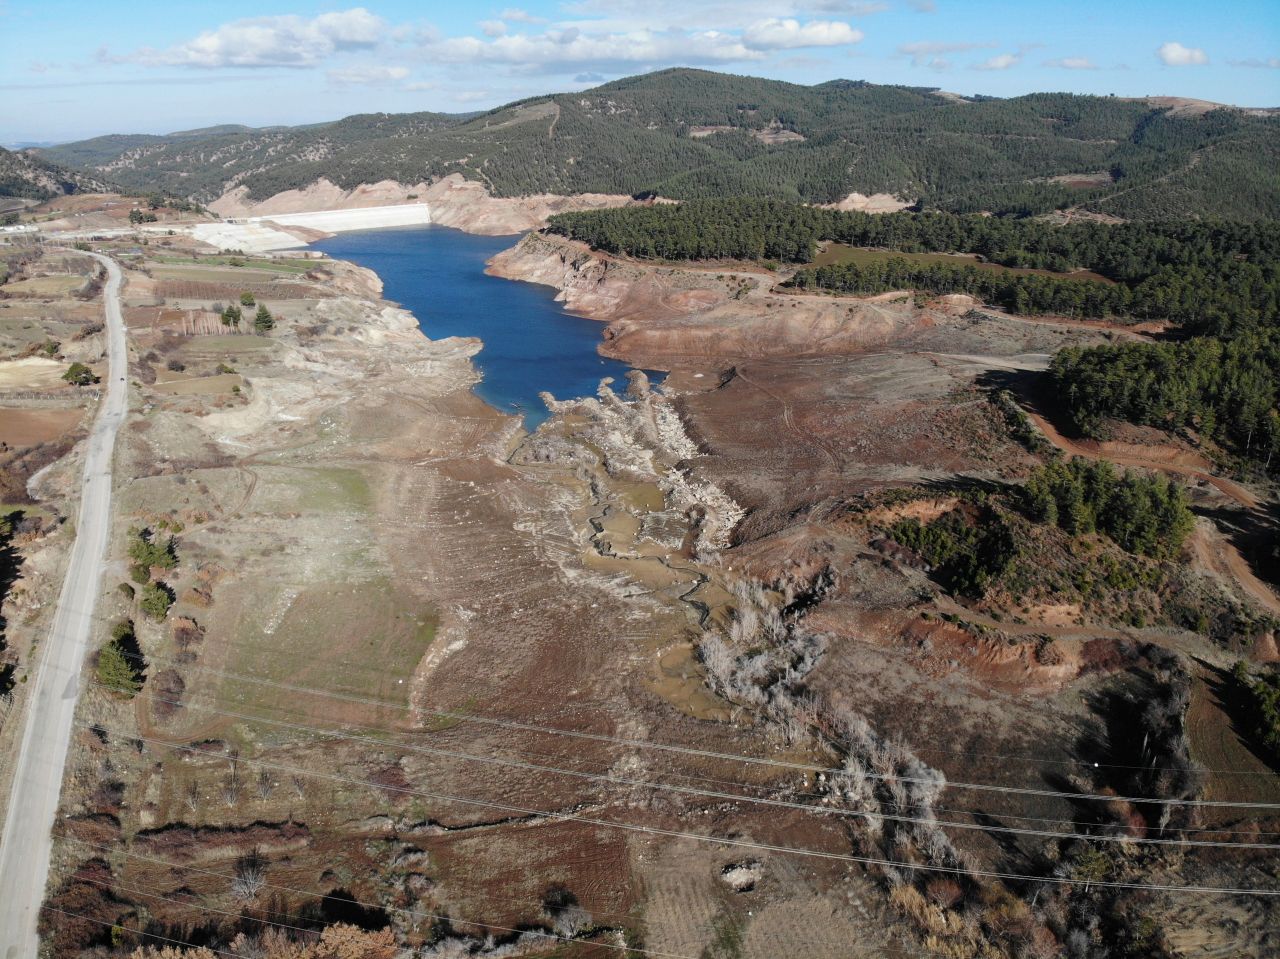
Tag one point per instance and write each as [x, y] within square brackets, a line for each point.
[33, 801]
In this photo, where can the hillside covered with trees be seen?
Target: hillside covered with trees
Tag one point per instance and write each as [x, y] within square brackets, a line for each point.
[688, 134]
[1218, 281]
[34, 178]
[1226, 387]
[1208, 275]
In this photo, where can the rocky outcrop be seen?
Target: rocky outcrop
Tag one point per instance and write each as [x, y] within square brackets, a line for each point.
[467, 205]
[320, 195]
[875, 203]
[454, 201]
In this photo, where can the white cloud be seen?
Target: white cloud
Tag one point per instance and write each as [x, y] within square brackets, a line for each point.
[279, 41]
[929, 52]
[470, 96]
[367, 75]
[775, 34]
[571, 49]
[1174, 54]
[849, 8]
[1001, 61]
[493, 28]
[578, 47]
[1072, 63]
[516, 15]
[1270, 63]
[922, 6]
[417, 86]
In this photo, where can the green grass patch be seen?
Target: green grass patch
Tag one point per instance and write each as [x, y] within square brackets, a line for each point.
[249, 264]
[214, 346]
[839, 253]
[361, 639]
[334, 488]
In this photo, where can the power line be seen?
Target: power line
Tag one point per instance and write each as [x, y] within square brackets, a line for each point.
[948, 748]
[718, 840]
[368, 905]
[711, 754]
[711, 794]
[725, 782]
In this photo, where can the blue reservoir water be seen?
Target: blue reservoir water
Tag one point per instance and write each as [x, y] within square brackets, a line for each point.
[530, 343]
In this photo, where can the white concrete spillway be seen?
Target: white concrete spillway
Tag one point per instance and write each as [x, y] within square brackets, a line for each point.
[259, 234]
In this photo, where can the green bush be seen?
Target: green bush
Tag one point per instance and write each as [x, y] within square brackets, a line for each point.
[246, 299]
[147, 550]
[156, 600]
[78, 374]
[263, 322]
[1143, 514]
[120, 661]
[1261, 700]
[967, 557]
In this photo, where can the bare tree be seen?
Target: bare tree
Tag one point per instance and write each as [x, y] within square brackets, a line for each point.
[231, 790]
[231, 786]
[250, 876]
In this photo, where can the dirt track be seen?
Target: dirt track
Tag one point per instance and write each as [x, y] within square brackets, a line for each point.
[1211, 547]
[1091, 449]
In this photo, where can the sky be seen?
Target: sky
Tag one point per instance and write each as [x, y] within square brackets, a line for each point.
[71, 69]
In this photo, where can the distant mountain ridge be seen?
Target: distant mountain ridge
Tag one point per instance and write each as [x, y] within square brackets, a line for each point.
[690, 133]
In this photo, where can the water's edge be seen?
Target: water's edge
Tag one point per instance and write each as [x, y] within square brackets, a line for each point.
[531, 343]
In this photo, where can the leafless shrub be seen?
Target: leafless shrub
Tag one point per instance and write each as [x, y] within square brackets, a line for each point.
[167, 689]
[944, 892]
[187, 632]
[568, 917]
[263, 784]
[191, 798]
[231, 790]
[232, 786]
[250, 876]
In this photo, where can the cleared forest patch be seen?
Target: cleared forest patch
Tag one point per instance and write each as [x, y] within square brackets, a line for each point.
[834, 253]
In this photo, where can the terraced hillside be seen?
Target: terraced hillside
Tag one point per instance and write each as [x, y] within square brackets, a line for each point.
[688, 133]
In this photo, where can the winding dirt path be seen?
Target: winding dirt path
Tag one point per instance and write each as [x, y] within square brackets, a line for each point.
[789, 419]
[1209, 545]
[1093, 451]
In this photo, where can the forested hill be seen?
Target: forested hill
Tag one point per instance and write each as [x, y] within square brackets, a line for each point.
[23, 175]
[1206, 275]
[688, 134]
[1218, 281]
